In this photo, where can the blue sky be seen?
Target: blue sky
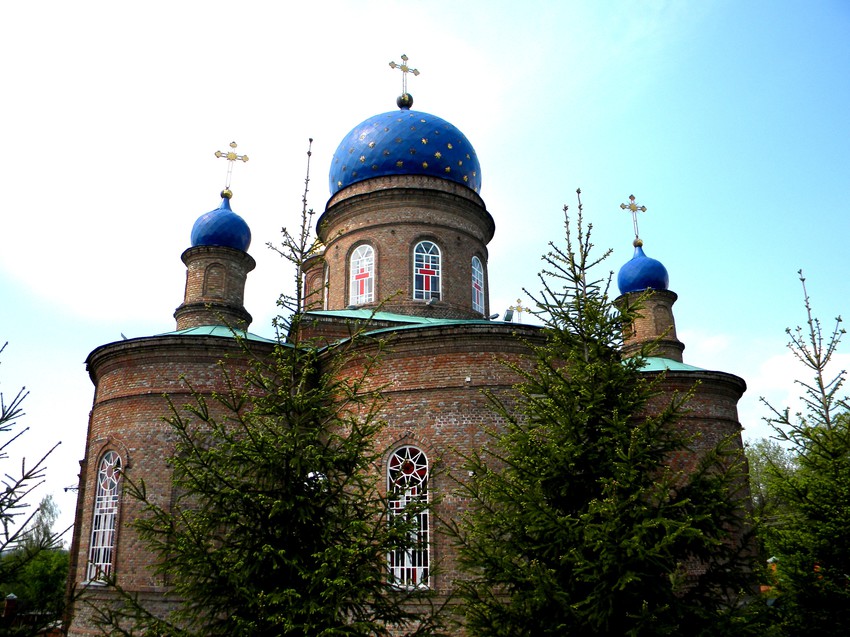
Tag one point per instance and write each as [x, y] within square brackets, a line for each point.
[729, 120]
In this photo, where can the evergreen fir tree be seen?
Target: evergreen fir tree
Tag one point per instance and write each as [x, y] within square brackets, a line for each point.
[577, 524]
[808, 537]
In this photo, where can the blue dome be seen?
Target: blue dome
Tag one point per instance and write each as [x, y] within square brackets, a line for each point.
[221, 227]
[404, 142]
[642, 273]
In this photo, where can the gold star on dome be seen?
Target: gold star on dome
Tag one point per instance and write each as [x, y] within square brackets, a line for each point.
[438, 155]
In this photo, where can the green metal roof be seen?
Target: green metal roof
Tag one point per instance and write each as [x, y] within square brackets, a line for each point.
[218, 330]
[653, 363]
[369, 315]
[656, 364]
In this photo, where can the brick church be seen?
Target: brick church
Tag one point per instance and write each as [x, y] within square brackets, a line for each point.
[405, 228]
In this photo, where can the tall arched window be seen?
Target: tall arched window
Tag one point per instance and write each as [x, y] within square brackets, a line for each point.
[426, 271]
[407, 484]
[362, 284]
[105, 518]
[477, 285]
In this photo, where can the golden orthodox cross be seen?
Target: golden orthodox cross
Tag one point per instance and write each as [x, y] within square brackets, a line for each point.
[519, 309]
[405, 69]
[634, 209]
[231, 157]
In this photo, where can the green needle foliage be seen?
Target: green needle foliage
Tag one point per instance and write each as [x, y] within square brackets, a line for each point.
[808, 537]
[577, 523]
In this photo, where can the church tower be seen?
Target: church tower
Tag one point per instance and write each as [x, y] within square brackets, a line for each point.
[128, 437]
[711, 417]
[405, 228]
[402, 248]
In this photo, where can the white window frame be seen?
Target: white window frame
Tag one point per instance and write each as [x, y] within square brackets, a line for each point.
[105, 518]
[427, 275]
[362, 271]
[477, 285]
[407, 483]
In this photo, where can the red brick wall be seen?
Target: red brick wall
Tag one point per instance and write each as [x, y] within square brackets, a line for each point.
[131, 378]
[215, 287]
[392, 216]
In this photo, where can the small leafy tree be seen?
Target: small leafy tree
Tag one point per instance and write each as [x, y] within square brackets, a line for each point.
[769, 463]
[809, 536]
[577, 524]
[38, 570]
[279, 527]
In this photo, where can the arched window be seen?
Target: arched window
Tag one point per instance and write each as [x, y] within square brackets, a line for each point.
[477, 286]
[426, 271]
[407, 484]
[362, 284]
[105, 518]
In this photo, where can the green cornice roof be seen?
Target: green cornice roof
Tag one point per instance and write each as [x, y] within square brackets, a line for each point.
[655, 364]
[369, 315]
[218, 330]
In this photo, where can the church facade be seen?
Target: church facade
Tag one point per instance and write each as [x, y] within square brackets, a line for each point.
[404, 240]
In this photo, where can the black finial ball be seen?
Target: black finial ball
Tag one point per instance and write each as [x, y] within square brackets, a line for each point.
[404, 101]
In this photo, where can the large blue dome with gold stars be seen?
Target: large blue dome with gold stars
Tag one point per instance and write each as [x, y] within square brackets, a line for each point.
[404, 142]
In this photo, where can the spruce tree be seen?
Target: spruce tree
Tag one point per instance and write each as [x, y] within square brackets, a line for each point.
[577, 525]
[808, 536]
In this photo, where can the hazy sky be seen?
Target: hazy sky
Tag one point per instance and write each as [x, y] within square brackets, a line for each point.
[729, 120]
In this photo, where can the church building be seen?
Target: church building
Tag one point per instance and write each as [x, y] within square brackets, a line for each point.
[404, 240]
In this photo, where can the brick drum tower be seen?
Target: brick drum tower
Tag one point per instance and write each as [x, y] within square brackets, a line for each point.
[127, 435]
[403, 244]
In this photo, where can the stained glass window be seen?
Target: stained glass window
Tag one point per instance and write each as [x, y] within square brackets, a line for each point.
[362, 285]
[407, 484]
[477, 285]
[426, 271]
[104, 521]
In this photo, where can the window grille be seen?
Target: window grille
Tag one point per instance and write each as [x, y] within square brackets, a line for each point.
[426, 271]
[407, 486]
[477, 286]
[362, 287]
[104, 520]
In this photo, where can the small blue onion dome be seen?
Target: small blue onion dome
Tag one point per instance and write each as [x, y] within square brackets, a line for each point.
[642, 273]
[222, 227]
[404, 142]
